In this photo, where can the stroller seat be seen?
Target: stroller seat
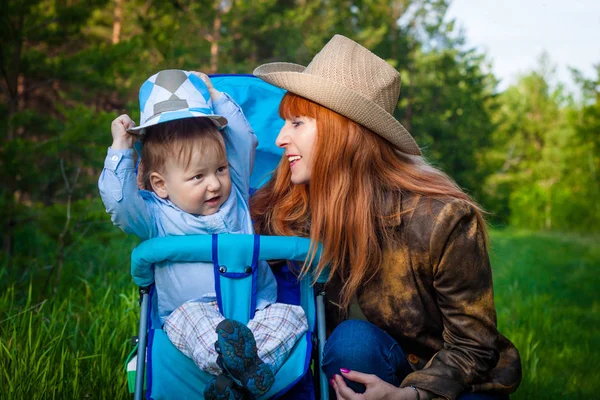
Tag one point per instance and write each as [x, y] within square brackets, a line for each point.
[170, 374]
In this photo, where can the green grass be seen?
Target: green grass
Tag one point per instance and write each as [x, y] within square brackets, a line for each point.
[72, 344]
[546, 290]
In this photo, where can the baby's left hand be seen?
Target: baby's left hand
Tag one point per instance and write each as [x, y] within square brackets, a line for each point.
[214, 93]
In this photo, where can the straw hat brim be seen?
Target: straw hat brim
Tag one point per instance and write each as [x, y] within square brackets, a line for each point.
[340, 99]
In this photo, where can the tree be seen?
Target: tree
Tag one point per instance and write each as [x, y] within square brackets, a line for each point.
[545, 156]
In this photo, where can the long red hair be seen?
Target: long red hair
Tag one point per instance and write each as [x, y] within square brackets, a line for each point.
[355, 186]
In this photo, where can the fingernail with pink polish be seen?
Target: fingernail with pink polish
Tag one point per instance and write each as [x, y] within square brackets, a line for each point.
[331, 382]
[344, 370]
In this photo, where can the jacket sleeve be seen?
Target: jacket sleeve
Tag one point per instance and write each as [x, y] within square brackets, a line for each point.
[121, 197]
[240, 142]
[463, 285]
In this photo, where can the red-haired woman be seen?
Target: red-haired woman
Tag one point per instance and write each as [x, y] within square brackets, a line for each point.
[399, 236]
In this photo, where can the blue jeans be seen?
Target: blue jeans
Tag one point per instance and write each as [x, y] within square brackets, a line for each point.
[361, 346]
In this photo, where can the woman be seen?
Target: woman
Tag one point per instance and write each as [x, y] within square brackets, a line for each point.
[400, 237]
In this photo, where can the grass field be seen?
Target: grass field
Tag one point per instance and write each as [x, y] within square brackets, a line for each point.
[72, 345]
[547, 297]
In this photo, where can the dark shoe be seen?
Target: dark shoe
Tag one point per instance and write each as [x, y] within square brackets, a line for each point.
[223, 388]
[239, 358]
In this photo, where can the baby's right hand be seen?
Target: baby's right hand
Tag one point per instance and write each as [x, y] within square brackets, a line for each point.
[118, 128]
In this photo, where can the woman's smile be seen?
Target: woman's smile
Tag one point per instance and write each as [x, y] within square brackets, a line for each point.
[293, 159]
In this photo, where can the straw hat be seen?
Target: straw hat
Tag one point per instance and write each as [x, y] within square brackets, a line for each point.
[350, 80]
[174, 94]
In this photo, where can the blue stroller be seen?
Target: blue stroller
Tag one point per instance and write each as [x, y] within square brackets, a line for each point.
[170, 374]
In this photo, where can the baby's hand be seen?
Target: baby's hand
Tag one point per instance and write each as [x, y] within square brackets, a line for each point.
[121, 139]
[214, 93]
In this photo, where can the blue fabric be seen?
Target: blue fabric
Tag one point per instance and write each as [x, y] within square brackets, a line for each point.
[236, 253]
[345, 348]
[254, 267]
[149, 364]
[288, 289]
[260, 103]
[303, 389]
[202, 110]
[173, 115]
[216, 266]
[145, 91]
[149, 343]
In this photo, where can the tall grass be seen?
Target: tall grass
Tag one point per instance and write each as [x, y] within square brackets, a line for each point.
[547, 296]
[72, 344]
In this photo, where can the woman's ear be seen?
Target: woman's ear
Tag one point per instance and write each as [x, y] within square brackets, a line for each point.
[159, 185]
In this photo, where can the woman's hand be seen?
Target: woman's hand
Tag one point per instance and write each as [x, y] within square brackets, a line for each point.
[214, 93]
[118, 128]
[376, 388]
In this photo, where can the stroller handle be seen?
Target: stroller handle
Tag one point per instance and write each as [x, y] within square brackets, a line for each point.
[237, 248]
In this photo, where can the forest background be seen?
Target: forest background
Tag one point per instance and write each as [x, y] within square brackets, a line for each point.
[529, 154]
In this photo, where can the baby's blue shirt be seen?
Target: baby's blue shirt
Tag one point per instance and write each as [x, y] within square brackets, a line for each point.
[146, 215]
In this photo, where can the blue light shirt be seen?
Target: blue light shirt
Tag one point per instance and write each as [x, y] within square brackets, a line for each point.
[143, 213]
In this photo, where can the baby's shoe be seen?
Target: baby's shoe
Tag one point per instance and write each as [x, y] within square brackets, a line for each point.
[223, 387]
[239, 358]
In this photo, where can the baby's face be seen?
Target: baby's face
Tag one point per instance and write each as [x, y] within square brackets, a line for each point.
[202, 187]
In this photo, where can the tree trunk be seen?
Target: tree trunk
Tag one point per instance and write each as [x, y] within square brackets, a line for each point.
[216, 38]
[118, 16]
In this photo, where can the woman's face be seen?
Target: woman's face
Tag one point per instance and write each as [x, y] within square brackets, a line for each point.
[297, 138]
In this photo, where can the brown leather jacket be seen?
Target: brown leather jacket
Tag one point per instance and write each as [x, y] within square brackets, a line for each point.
[434, 295]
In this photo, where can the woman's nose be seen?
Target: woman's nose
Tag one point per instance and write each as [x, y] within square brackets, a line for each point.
[283, 138]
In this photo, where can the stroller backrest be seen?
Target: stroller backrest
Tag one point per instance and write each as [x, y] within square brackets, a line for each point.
[260, 102]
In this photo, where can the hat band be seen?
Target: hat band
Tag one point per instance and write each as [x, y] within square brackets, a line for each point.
[168, 105]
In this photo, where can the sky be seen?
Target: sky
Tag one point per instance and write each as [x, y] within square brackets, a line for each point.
[515, 32]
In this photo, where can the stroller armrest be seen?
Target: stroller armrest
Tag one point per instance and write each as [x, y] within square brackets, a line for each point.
[238, 248]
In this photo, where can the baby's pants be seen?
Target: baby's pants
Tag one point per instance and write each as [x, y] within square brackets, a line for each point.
[276, 328]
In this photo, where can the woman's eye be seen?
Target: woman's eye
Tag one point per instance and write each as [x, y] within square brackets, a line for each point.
[296, 124]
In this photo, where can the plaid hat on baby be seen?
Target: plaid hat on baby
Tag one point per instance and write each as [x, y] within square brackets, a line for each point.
[174, 94]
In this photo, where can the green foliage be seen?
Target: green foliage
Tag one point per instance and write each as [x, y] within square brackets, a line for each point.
[450, 84]
[545, 157]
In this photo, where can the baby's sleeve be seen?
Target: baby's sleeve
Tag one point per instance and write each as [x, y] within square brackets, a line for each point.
[240, 142]
[121, 197]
